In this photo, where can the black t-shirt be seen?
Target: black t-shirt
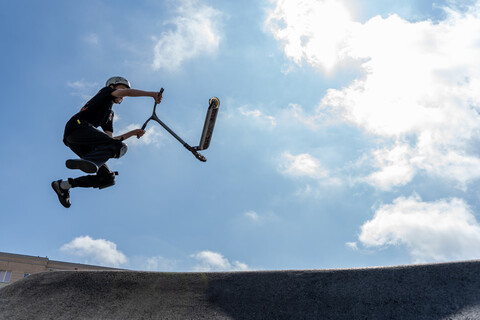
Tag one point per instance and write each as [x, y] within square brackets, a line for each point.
[98, 110]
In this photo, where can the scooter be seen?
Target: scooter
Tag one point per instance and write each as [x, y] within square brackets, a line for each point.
[207, 131]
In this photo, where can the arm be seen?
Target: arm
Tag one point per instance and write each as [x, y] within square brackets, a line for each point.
[120, 93]
[137, 132]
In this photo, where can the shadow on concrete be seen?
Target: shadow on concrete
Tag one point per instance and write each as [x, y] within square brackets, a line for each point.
[436, 291]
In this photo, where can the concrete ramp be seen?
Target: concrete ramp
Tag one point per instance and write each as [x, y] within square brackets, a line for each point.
[436, 291]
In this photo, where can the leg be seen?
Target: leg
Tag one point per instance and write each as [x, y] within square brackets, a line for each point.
[95, 146]
[103, 179]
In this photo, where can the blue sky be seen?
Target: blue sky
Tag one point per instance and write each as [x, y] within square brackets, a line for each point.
[348, 132]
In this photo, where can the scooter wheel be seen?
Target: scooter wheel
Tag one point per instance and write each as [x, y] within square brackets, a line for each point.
[215, 101]
[199, 156]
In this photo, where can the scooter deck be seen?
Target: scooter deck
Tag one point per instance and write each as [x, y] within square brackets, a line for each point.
[209, 124]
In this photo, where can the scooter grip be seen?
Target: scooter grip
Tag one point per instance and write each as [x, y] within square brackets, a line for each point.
[143, 128]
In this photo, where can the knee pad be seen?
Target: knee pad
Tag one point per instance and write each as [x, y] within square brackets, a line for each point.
[107, 180]
[121, 149]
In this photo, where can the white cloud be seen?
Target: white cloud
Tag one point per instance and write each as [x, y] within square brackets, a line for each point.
[311, 31]
[451, 164]
[92, 38]
[196, 32]
[82, 85]
[83, 89]
[159, 263]
[305, 167]
[420, 80]
[260, 219]
[95, 251]
[302, 165]
[152, 136]
[252, 215]
[259, 115]
[432, 231]
[396, 167]
[352, 245]
[313, 122]
[212, 261]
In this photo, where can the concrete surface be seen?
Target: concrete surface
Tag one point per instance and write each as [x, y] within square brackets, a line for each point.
[435, 291]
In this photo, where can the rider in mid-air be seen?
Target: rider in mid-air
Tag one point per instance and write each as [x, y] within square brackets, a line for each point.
[95, 147]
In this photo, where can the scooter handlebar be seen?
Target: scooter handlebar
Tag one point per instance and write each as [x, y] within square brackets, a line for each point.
[160, 93]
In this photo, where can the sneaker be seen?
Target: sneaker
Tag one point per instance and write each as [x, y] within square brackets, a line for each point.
[63, 195]
[84, 165]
